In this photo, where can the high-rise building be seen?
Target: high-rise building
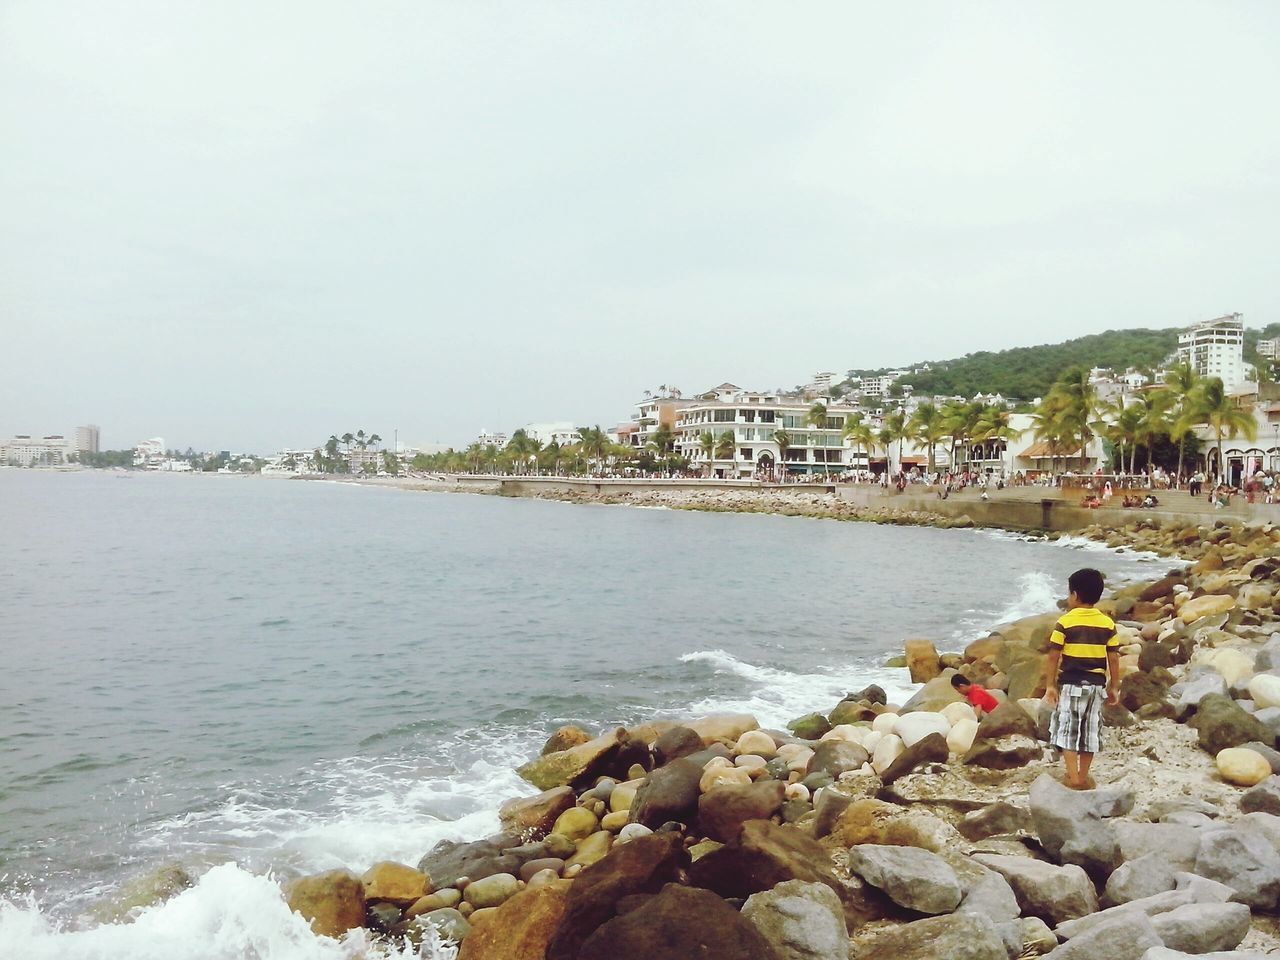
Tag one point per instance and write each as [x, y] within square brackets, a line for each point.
[1269, 348]
[1215, 348]
[87, 439]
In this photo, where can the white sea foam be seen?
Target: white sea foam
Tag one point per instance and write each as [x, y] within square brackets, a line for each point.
[229, 914]
[780, 695]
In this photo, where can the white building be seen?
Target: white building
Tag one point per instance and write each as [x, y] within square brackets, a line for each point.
[149, 451]
[560, 432]
[28, 451]
[755, 420]
[1215, 348]
[879, 386]
[87, 439]
[1269, 348]
[496, 439]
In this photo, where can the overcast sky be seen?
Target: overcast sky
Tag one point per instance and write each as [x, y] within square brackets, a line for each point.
[253, 224]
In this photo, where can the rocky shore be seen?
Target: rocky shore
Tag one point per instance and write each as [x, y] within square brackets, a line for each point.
[907, 831]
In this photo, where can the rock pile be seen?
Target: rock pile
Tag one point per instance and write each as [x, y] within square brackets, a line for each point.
[910, 831]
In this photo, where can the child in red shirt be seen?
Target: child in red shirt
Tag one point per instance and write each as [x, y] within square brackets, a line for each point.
[982, 701]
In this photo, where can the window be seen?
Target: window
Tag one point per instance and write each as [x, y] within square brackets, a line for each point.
[746, 453]
[795, 455]
[766, 416]
[724, 416]
[835, 423]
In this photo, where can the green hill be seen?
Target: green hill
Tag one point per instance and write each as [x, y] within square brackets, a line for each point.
[1024, 373]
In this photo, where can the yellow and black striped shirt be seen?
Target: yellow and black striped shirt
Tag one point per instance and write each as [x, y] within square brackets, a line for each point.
[1085, 634]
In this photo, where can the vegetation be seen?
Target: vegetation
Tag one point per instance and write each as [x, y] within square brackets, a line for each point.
[107, 458]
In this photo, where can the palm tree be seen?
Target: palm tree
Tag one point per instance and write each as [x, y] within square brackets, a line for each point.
[817, 416]
[1078, 407]
[347, 439]
[725, 445]
[707, 444]
[992, 427]
[783, 440]
[1183, 383]
[1153, 408]
[1212, 405]
[374, 439]
[361, 441]
[895, 431]
[928, 427]
[474, 457]
[858, 430]
[1049, 426]
[663, 439]
[594, 444]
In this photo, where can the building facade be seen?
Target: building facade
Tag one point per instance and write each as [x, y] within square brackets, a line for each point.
[28, 451]
[87, 439]
[1215, 348]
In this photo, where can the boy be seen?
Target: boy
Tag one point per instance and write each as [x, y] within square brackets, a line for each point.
[981, 701]
[1084, 660]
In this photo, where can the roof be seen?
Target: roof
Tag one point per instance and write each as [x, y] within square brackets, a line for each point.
[1044, 450]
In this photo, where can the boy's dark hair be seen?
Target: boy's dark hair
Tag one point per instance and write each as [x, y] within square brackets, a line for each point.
[958, 681]
[1086, 584]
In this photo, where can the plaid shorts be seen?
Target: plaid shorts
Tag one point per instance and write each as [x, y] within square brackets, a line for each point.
[1076, 724]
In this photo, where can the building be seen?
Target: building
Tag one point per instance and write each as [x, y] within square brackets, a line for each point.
[879, 386]
[1269, 349]
[654, 412]
[1215, 348]
[756, 422]
[497, 439]
[561, 433]
[149, 451]
[27, 451]
[87, 439]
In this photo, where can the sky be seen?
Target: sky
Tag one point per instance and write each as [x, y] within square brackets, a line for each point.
[249, 225]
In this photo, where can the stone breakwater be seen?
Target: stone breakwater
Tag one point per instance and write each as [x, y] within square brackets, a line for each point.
[907, 831]
[795, 502]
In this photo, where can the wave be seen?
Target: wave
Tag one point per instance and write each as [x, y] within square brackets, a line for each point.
[229, 914]
[779, 696]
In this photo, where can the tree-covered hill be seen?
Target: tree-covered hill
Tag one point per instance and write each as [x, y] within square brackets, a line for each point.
[1025, 373]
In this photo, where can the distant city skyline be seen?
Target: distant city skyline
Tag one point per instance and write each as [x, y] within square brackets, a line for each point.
[245, 228]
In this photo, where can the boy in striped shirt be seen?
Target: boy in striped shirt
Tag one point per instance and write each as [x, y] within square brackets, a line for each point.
[1083, 667]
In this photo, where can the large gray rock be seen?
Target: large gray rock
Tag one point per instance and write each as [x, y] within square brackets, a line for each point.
[450, 859]
[827, 809]
[1221, 723]
[1264, 798]
[1070, 823]
[668, 793]
[1127, 937]
[1192, 692]
[1202, 927]
[1203, 889]
[1148, 906]
[985, 891]
[910, 877]
[1146, 876]
[960, 936]
[1244, 861]
[723, 811]
[802, 921]
[995, 819]
[836, 757]
[1177, 844]
[1054, 894]
[1164, 953]
[930, 749]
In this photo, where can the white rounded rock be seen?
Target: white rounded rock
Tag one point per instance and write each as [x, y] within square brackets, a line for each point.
[1242, 766]
[955, 712]
[960, 739]
[1265, 690]
[799, 763]
[631, 831]
[757, 743]
[887, 751]
[845, 731]
[750, 761]
[872, 740]
[1232, 665]
[796, 791]
[719, 776]
[911, 728]
[884, 723]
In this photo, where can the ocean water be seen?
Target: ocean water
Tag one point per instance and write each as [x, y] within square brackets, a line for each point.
[259, 678]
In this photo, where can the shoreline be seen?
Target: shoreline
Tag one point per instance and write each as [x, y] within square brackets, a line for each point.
[671, 816]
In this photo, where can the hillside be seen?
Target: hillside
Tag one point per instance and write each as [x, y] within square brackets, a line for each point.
[1027, 372]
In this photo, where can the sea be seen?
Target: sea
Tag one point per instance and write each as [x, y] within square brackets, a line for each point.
[258, 678]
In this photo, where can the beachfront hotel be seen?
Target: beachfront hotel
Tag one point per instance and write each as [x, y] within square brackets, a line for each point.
[755, 419]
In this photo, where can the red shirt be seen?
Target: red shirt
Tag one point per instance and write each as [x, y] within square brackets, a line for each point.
[980, 698]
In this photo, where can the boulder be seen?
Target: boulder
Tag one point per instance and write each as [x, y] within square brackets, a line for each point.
[675, 743]
[1262, 798]
[395, 882]
[759, 858]
[1206, 606]
[828, 805]
[522, 927]
[491, 891]
[850, 711]
[930, 749]
[722, 812]
[1193, 691]
[1221, 723]
[533, 817]
[593, 847]
[564, 738]
[1149, 906]
[985, 648]
[809, 727]
[960, 739]
[1054, 894]
[668, 793]
[449, 924]
[679, 922]
[922, 660]
[1203, 927]
[574, 765]
[887, 750]
[960, 936]
[723, 726]
[1264, 688]
[836, 757]
[644, 865]
[873, 693]
[1139, 689]
[1146, 876]
[756, 743]
[332, 902]
[576, 823]
[1004, 753]
[985, 891]
[1242, 766]
[910, 728]
[1125, 937]
[1071, 824]
[995, 819]
[874, 821]
[1244, 861]
[934, 695]
[912, 878]
[801, 921]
